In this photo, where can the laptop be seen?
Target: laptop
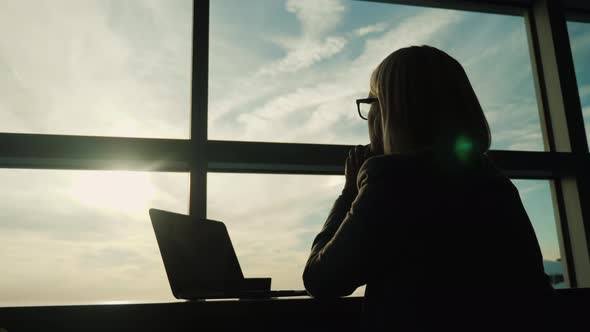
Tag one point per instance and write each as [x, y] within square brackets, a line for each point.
[201, 263]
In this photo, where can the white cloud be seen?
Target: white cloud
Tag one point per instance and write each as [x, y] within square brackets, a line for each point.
[514, 122]
[312, 45]
[339, 86]
[318, 98]
[584, 91]
[525, 146]
[580, 42]
[109, 68]
[526, 138]
[304, 53]
[48, 272]
[65, 246]
[272, 229]
[317, 17]
[302, 98]
[415, 30]
[377, 27]
[323, 85]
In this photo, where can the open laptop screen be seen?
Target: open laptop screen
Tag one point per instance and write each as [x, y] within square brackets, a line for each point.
[198, 255]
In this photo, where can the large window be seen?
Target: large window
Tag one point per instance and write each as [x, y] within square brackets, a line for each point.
[289, 71]
[106, 68]
[237, 111]
[83, 236]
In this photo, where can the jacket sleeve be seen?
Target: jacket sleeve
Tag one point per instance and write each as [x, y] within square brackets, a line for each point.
[337, 263]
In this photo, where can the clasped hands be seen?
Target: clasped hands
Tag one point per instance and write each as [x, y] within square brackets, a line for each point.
[356, 157]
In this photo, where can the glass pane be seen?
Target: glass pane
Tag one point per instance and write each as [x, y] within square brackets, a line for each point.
[77, 237]
[272, 226]
[580, 42]
[93, 67]
[290, 71]
[536, 198]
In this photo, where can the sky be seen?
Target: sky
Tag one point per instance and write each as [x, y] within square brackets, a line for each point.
[279, 71]
[580, 43]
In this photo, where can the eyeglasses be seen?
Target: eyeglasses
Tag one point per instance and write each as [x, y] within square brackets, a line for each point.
[364, 106]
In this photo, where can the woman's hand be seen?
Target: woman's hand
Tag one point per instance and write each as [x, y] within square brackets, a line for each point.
[356, 157]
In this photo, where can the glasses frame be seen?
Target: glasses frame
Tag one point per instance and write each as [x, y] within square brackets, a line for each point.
[369, 101]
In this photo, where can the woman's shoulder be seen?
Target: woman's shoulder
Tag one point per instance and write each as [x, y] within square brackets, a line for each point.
[419, 168]
[389, 164]
[378, 168]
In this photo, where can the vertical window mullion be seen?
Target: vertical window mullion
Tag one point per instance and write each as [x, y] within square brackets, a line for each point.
[550, 145]
[564, 129]
[199, 94]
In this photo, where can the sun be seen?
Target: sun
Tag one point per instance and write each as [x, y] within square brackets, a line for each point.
[118, 191]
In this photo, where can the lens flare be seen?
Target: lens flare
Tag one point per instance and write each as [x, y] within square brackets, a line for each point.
[463, 148]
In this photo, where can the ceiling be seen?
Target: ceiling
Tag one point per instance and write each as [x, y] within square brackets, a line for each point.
[568, 4]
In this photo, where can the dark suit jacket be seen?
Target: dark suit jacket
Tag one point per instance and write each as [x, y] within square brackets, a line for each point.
[442, 245]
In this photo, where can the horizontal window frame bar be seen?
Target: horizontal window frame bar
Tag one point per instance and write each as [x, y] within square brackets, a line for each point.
[282, 158]
[93, 152]
[174, 155]
[90, 164]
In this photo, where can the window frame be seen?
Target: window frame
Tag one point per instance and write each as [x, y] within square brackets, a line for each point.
[564, 162]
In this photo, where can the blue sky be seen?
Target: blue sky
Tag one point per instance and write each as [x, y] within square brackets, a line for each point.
[281, 71]
[322, 65]
[580, 42]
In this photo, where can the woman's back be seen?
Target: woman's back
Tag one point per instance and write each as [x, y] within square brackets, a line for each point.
[452, 246]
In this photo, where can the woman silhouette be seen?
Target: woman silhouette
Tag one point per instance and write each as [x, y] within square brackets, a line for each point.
[435, 231]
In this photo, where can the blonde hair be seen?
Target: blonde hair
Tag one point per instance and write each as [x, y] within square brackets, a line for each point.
[427, 102]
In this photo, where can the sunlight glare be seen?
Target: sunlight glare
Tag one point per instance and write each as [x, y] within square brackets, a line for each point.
[123, 191]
